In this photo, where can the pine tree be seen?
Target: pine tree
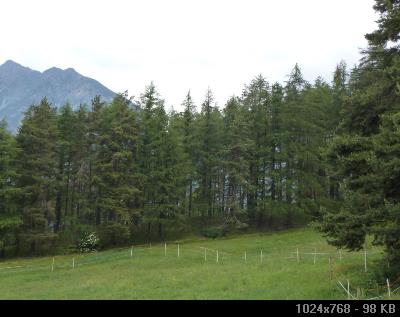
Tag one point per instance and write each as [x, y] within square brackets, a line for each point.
[119, 180]
[189, 147]
[235, 157]
[93, 145]
[161, 160]
[209, 142]
[364, 153]
[10, 217]
[276, 145]
[256, 99]
[37, 167]
[64, 152]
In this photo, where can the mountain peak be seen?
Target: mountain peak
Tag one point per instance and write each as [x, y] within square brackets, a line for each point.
[11, 64]
[53, 70]
[21, 87]
[71, 70]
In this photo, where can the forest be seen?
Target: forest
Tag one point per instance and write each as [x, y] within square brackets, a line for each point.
[277, 156]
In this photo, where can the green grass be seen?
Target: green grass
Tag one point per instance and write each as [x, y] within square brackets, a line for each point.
[149, 274]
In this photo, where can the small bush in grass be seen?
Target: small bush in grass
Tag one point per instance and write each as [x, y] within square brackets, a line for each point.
[89, 242]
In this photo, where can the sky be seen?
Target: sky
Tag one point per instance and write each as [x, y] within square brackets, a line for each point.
[184, 45]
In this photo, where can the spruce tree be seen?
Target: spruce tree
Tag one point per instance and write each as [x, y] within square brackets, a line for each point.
[37, 168]
[10, 217]
[235, 158]
[364, 153]
[189, 147]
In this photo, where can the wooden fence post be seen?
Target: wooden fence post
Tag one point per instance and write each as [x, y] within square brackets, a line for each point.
[365, 257]
[348, 289]
[315, 255]
[388, 286]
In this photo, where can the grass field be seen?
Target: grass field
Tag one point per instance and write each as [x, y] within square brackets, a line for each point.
[150, 274]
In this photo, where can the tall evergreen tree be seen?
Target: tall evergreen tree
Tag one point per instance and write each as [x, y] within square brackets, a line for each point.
[119, 179]
[209, 142]
[10, 217]
[190, 147]
[256, 99]
[161, 163]
[365, 152]
[37, 169]
[235, 157]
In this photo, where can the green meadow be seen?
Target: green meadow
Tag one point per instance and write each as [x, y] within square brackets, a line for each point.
[252, 266]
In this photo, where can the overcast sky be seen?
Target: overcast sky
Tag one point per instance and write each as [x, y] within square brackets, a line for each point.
[185, 44]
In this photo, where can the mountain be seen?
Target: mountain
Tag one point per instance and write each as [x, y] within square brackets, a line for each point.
[21, 87]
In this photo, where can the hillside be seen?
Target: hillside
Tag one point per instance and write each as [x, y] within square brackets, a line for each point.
[21, 86]
[160, 271]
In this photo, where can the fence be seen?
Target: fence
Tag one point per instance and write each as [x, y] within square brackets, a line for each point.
[206, 254]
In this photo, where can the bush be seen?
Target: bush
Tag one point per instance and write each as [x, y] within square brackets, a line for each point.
[89, 242]
[213, 232]
[37, 244]
[114, 234]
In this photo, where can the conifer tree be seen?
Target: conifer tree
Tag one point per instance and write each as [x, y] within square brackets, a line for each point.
[209, 141]
[189, 147]
[235, 157]
[37, 168]
[10, 217]
[364, 153]
[119, 179]
[256, 99]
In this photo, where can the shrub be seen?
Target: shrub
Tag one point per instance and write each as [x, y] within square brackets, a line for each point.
[89, 242]
[213, 232]
[114, 234]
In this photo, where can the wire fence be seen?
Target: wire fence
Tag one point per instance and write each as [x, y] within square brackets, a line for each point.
[206, 254]
[348, 291]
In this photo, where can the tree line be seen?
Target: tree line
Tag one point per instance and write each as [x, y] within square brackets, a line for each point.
[130, 171]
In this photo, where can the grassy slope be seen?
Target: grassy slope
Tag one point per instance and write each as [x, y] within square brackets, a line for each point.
[149, 274]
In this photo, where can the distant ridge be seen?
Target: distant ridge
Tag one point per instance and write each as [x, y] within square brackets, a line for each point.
[21, 87]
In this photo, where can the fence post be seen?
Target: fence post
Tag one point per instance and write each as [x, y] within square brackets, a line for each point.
[261, 256]
[178, 250]
[52, 265]
[73, 262]
[340, 255]
[388, 286]
[330, 267]
[245, 256]
[315, 254]
[298, 259]
[165, 248]
[365, 256]
[205, 254]
[131, 251]
[217, 256]
[348, 289]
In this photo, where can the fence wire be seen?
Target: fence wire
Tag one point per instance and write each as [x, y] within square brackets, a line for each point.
[205, 253]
